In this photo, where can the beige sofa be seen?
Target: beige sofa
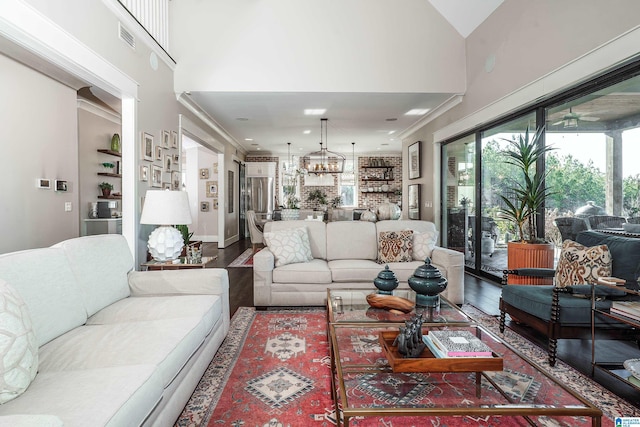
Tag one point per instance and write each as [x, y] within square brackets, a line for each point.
[115, 347]
[345, 254]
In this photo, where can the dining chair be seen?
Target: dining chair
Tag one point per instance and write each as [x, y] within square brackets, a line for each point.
[254, 231]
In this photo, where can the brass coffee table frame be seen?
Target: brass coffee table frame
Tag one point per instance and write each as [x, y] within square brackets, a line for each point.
[344, 412]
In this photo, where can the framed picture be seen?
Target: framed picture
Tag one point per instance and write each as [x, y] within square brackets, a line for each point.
[204, 206]
[414, 201]
[212, 188]
[168, 159]
[158, 152]
[165, 138]
[204, 173]
[166, 186]
[176, 159]
[414, 160]
[147, 147]
[156, 176]
[175, 180]
[144, 173]
[174, 139]
[214, 202]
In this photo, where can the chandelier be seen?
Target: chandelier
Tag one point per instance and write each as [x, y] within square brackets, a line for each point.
[323, 161]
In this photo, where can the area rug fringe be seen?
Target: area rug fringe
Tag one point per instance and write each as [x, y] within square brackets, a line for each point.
[205, 398]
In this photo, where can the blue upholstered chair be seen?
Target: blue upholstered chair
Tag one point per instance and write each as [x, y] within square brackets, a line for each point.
[561, 313]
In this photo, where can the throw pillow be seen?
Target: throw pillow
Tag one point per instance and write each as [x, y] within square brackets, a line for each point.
[395, 246]
[18, 345]
[580, 265]
[289, 246]
[423, 244]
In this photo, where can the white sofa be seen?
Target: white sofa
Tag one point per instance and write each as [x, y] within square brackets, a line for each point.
[345, 254]
[116, 347]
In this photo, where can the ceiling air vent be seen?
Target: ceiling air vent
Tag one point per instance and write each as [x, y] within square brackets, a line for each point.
[126, 36]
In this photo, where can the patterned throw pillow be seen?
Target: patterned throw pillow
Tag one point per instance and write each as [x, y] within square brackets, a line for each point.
[289, 246]
[18, 345]
[395, 246]
[580, 265]
[423, 244]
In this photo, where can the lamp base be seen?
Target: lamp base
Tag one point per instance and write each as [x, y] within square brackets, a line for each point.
[165, 243]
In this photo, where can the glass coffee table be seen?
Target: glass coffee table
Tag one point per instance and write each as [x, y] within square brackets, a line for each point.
[350, 306]
[364, 384]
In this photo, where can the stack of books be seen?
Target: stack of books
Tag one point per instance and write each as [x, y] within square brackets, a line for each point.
[454, 343]
[629, 309]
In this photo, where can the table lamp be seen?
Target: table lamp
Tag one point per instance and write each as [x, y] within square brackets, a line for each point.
[165, 208]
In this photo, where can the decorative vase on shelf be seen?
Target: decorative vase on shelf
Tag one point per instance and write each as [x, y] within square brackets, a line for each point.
[115, 143]
[386, 281]
[427, 282]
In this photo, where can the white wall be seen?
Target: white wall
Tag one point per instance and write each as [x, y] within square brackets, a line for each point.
[327, 46]
[40, 134]
[539, 48]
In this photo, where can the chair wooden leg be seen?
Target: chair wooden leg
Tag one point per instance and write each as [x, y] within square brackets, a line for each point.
[502, 319]
[553, 350]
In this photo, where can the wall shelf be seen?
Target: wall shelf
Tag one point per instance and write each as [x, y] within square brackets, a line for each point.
[110, 197]
[113, 153]
[114, 175]
[377, 167]
[376, 180]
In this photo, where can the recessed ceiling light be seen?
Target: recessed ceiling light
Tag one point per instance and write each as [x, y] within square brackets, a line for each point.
[391, 119]
[378, 148]
[307, 132]
[258, 148]
[314, 111]
[417, 112]
[242, 119]
[391, 132]
[248, 139]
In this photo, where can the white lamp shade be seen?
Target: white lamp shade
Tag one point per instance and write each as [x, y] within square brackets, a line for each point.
[166, 207]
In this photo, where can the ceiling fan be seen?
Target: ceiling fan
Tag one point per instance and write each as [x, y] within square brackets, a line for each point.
[571, 119]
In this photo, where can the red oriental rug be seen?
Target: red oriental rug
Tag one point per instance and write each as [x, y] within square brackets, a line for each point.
[273, 370]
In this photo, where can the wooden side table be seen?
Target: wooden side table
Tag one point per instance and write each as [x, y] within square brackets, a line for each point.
[179, 264]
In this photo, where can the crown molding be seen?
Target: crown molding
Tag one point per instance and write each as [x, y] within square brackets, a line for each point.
[432, 115]
[99, 110]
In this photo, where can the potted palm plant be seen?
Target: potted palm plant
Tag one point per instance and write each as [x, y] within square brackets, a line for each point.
[529, 193]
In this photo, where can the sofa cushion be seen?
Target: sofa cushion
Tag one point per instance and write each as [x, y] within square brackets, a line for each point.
[314, 271]
[114, 396]
[317, 231]
[423, 244]
[167, 344]
[579, 264]
[354, 270]
[289, 246]
[625, 252]
[30, 421]
[395, 246]
[48, 286]
[18, 346]
[351, 240]
[398, 225]
[536, 300]
[100, 264]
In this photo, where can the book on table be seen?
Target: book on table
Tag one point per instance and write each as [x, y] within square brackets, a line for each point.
[632, 307]
[454, 343]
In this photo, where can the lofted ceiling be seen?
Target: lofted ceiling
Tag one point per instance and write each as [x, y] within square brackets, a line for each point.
[267, 121]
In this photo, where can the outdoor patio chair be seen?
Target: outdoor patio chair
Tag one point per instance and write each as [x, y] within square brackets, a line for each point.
[605, 221]
[569, 226]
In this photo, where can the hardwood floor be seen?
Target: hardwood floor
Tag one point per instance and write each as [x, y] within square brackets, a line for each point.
[479, 292]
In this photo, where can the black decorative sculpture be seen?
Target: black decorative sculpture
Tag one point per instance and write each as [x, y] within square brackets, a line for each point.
[409, 339]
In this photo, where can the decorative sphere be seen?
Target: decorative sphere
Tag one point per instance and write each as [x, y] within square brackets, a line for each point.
[165, 243]
[427, 282]
[368, 216]
[386, 281]
[388, 211]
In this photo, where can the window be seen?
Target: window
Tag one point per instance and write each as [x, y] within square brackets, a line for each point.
[347, 185]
